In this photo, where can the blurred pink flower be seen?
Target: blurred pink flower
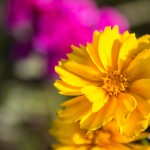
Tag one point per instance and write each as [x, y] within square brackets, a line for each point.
[51, 26]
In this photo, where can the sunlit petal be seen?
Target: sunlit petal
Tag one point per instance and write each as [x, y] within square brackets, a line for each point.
[127, 50]
[100, 118]
[141, 88]
[67, 89]
[74, 109]
[130, 129]
[96, 95]
[142, 105]
[139, 68]
[126, 105]
[105, 45]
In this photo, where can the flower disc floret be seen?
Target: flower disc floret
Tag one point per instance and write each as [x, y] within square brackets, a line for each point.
[114, 83]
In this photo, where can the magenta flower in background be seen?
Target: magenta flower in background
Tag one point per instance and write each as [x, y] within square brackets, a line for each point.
[49, 27]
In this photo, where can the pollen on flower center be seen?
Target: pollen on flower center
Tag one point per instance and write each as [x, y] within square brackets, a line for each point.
[114, 83]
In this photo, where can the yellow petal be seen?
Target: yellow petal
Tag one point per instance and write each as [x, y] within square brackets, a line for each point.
[80, 55]
[93, 93]
[60, 132]
[66, 89]
[127, 50]
[96, 95]
[70, 78]
[93, 53]
[139, 67]
[116, 136]
[126, 104]
[105, 46]
[141, 88]
[84, 71]
[92, 50]
[97, 105]
[80, 64]
[95, 40]
[144, 42]
[93, 121]
[135, 124]
[124, 36]
[143, 106]
[76, 108]
[115, 53]
[116, 49]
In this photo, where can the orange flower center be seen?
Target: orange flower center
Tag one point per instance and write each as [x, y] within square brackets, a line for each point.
[114, 83]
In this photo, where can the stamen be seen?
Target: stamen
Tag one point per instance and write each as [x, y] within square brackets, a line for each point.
[114, 83]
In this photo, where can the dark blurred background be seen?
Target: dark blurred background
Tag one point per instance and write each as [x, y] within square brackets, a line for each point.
[34, 35]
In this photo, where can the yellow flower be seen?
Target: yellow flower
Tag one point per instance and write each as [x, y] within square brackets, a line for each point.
[110, 79]
[71, 137]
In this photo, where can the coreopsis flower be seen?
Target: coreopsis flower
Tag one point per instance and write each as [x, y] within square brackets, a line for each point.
[110, 79]
[71, 137]
[49, 27]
